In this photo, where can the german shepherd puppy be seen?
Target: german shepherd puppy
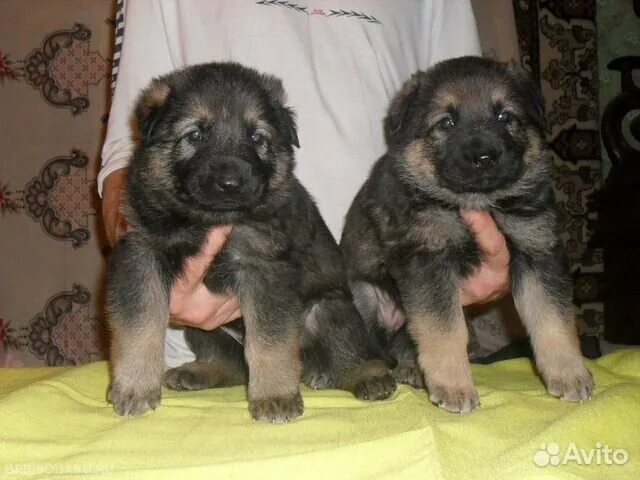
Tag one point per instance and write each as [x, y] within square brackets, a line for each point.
[216, 148]
[467, 133]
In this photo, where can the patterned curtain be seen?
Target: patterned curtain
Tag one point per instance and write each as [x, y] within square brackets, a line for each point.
[558, 45]
[54, 75]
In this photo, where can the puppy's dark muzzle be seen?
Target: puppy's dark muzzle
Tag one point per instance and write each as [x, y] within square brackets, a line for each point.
[484, 160]
[226, 183]
[229, 183]
[479, 155]
[478, 165]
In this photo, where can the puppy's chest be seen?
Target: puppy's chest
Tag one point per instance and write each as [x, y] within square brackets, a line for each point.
[252, 243]
[431, 230]
[252, 249]
[536, 233]
[436, 229]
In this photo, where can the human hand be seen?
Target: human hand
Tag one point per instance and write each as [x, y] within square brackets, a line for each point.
[491, 280]
[112, 193]
[191, 303]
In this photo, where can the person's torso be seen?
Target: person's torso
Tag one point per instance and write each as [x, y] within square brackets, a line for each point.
[340, 61]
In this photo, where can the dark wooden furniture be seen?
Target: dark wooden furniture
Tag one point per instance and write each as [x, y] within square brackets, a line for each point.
[620, 208]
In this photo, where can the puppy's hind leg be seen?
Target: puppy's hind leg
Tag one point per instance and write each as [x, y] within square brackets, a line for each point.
[341, 352]
[542, 294]
[199, 375]
[403, 349]
[138, 313]
[380, 308]
[219, 362]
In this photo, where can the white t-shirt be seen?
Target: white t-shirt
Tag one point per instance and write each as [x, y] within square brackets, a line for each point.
[341, 61]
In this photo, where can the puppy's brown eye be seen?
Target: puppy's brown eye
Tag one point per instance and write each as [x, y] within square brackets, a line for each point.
[194, 136]
[504, 117]
[257, 139]
[446, 123]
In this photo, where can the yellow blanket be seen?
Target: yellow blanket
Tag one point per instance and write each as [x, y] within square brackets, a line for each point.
[55, 423]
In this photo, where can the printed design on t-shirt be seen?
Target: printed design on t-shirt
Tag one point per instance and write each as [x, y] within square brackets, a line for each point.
[330, 13]
[348, 13]
[283, 3]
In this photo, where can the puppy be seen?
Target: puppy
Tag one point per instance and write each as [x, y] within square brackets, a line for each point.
[468, 133]
[216, 148]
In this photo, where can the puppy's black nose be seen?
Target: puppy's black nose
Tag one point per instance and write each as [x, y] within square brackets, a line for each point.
[484, 160]
[229, 183]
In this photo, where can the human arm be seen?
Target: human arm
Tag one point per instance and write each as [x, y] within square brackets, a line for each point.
[145, 54]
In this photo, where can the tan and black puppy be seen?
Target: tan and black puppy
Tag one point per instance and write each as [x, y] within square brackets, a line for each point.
[468, 133]
[216, 148]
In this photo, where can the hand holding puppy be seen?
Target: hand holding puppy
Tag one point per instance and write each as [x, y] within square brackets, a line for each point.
[281, 260]
[491, 280]
[190, 303]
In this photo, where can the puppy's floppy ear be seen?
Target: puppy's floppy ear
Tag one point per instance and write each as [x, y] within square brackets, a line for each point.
[531, 95]
[285, 115]
[150, 104]
[400, 109]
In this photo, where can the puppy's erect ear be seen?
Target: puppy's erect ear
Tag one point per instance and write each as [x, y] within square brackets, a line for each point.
[286, 116]
[288, 120]
[400, 109]
[531, 95]
[150, 104]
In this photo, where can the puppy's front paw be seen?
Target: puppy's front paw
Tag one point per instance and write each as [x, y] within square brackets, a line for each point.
[571, 387]
[133, 402]
[277, 409]
[454, 399]
[375, 388]
[410, 374]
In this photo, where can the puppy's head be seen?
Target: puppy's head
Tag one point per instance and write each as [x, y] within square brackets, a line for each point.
[468, 130]
[214, 138]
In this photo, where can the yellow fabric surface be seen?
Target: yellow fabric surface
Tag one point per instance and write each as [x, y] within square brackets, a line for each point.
[55, 423]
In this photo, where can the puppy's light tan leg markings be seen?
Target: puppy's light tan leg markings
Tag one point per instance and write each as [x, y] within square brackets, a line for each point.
[275, 369]
[137, 350]
[138, 365]
[555, 343]
[442, 355]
